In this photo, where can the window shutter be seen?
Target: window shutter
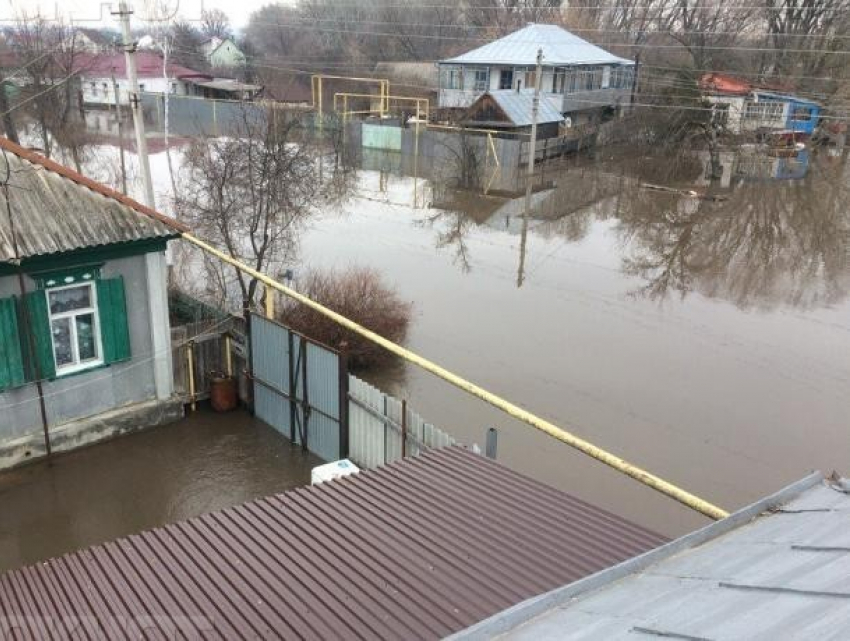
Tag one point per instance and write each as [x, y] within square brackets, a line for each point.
[114, 331]
[40, 325]
[11, 361]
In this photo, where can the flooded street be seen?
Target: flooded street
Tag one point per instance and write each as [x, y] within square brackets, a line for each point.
[203, 463]
[698, 329]
[705, 339]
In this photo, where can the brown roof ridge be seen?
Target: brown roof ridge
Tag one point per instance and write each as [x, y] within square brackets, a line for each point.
[66, 172]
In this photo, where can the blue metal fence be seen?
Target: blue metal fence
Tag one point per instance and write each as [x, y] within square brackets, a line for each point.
[300, 388]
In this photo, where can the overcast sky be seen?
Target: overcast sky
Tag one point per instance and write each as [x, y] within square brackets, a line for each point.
[88, 12]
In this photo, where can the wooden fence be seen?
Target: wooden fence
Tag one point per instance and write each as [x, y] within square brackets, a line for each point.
[203, 349]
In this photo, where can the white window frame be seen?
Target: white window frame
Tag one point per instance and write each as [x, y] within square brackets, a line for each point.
[767, 112]
[92, 309]
[483, 84]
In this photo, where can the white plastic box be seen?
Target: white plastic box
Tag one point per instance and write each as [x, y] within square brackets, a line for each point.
[330, 471]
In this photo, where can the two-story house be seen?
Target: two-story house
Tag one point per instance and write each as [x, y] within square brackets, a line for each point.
[578, 79]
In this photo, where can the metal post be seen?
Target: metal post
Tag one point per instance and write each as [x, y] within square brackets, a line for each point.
[532, 152]
[344, 446]
[270, 293]
[635, 80]
[124, 14]
[492, 443]
[403, 428]
[190, 362]
[228, 356]
[305, 411]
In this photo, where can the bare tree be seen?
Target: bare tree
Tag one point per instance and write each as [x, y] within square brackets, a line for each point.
[50, 55]
[185, 44]
[250, 193]
[215, 24]
[806, 36]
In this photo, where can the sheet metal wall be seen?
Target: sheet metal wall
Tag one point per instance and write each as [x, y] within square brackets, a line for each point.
[278, 368]
[375, 426]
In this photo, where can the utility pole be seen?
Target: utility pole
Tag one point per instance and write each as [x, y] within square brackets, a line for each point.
[532, 151]
[120, 134]
[129, 45]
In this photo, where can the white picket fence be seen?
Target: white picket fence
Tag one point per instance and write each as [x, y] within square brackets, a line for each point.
[375, 427]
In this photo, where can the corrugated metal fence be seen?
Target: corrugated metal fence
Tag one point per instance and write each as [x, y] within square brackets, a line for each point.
[383, 429]
[300, 388]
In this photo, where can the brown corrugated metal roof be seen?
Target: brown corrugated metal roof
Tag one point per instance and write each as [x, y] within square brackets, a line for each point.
[416, 549]
[56, 209]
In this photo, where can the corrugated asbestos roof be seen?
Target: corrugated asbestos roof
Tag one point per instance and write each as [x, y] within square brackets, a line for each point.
[777, 570]
[413, 550]
[56, 209]
[517, 106]
[560, 47]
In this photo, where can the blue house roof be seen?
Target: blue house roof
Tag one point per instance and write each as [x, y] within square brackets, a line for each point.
[770, 95]
[560, 47]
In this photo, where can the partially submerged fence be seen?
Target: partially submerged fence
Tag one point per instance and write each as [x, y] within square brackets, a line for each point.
[300, 388]
[204, 349]
[383, 429]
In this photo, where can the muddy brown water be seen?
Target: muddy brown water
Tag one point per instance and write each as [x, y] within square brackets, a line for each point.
[206, 462]
[705, 339]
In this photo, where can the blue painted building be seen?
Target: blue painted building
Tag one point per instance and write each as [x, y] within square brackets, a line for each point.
[743, 108]
[799, 115]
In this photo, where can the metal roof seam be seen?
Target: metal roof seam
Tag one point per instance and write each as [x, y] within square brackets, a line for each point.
[253, 597]
[444, 545]
[306, 579]
[216, 574]
[481, 550]
[232, 615]
[590, 513]
[563, 520]
[335, 525]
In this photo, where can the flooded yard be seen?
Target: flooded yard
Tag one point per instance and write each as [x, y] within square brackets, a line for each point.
[706, 339]
[700, 329]
[206, 462]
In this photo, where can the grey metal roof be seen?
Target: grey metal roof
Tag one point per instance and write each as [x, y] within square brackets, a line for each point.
[415, 549]
[777, 570]
[517, 106]
[560, 47]
[56, 210]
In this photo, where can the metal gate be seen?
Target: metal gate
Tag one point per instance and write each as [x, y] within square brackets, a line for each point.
[300, 388]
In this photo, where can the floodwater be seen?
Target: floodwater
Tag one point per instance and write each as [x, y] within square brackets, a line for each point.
[704, 336]
[206, 462]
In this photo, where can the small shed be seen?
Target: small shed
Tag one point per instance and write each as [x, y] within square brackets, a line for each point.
[511, 110]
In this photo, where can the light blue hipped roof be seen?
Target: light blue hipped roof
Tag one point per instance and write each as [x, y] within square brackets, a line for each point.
[560, 47]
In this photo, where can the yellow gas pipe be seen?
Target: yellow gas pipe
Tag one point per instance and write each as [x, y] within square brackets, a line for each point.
[660, 485]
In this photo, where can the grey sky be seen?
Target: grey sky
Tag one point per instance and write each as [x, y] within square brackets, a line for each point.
[88, 12]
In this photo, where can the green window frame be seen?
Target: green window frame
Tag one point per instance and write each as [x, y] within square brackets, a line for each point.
[78, 322]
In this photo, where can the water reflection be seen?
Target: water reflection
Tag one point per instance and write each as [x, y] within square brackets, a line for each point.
[757, 245]
[773, 230]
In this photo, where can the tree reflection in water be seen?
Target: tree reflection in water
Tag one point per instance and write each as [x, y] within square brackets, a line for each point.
[767, 244]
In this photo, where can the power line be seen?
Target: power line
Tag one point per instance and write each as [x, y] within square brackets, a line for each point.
[466, 27]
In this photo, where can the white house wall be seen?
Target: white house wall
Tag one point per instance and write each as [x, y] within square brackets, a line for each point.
[575, 101]
[99, 91]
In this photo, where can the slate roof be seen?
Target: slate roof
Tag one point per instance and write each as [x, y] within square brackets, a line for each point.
[412, 550]
[55, 209]
[779, 569]
[560, 47]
